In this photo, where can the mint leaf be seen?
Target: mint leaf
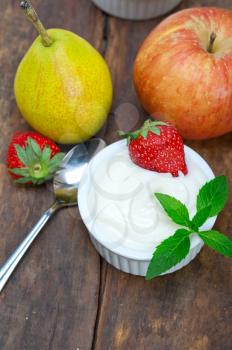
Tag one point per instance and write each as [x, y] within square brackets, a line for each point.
[200, 217]
[176, 210]
[217, 241]
[169, 253]
[214, 193]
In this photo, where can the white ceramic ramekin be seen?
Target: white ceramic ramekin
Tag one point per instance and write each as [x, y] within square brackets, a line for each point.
[122, 258]
[136, 9]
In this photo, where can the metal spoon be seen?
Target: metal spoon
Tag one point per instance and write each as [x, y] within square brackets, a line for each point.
[65, 185]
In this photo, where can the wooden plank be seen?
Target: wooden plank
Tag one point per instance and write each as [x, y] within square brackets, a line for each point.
[188, 310]
[51, 302]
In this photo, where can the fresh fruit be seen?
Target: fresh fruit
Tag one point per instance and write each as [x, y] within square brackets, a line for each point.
[62, 86]
[157, 146]
[32, 158]
[183, 72]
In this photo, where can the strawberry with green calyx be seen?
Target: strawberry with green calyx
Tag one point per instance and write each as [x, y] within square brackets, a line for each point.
[157, 146]
[32, 158]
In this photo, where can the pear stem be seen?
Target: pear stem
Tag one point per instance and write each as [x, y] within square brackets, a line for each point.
[34, 18]
[211, 42]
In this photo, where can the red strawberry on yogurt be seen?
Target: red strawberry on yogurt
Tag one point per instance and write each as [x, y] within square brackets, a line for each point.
[157, 146]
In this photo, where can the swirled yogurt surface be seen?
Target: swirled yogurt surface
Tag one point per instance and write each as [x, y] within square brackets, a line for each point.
[120, 208]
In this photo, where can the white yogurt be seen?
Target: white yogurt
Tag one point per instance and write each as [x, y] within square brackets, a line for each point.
[120, 209]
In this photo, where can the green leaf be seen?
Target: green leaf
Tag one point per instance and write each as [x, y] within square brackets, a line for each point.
[21, 153]
[41, 181]
[169, 253]
[35, 147]
[47, 178]
[129, 135]
[23, 180]
[155, 130]
[30, 154]
[56, 160]
[46, 154]
[135, 134]
[217, 241]
[200, 217]
[158, 122]
[176, 210]
[19, 171]
[144, 132]
[124, 134]
[214, 193]
[148, 125]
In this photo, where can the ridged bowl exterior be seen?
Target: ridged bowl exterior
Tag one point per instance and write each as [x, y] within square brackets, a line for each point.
[136, 9]
[138, 267]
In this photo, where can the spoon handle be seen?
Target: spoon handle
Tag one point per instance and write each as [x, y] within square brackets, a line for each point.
[8, 268]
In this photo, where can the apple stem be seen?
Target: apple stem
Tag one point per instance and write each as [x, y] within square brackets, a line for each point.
[34, 18]
[211, 42]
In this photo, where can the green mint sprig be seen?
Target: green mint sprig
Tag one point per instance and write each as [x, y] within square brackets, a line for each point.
[211, 199]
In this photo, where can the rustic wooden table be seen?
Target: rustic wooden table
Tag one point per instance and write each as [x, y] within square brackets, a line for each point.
[64, 296]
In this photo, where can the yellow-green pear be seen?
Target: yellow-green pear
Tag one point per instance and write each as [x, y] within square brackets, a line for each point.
[62, 86]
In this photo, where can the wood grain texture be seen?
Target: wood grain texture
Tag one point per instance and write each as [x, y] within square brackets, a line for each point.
[188, 310]
[63, 296]
[51, 301]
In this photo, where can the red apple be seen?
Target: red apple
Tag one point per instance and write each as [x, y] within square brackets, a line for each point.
[183, 72]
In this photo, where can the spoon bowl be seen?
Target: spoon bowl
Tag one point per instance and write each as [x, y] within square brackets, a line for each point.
[67, 179]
